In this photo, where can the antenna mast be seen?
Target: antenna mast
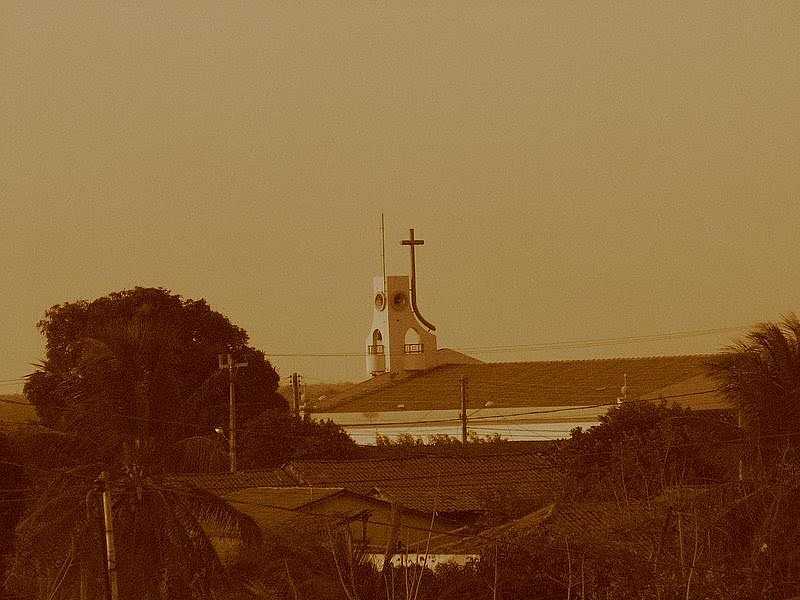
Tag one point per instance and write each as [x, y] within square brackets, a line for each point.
[383, 254]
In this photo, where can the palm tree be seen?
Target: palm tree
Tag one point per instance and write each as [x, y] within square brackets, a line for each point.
[761, 376]
[162, 532]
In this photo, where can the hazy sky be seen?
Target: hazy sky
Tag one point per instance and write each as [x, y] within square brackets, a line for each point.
[585, 170]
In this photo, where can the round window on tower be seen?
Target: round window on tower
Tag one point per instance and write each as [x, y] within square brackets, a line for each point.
[399, 300]
[380, 301]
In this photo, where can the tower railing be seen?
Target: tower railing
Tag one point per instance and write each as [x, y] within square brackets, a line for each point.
[375, 349]
[413, 348]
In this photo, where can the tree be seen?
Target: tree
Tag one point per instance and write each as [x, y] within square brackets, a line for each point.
[760, 374]
[640, 448]
[143, 363]
[277, 436]
[13, 495]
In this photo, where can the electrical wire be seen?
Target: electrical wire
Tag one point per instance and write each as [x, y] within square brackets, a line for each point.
[565, 344]
[413, 422]
[545, 465]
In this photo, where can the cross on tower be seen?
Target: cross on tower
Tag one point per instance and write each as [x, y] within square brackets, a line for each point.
[411, 243]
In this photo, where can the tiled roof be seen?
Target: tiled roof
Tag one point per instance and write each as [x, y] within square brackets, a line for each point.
[225, 483]
[600, 522]
[542, 383]
[632, 527]
[289, 497]
[287, 509]
[435, 483]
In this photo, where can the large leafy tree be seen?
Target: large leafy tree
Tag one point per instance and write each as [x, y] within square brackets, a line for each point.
[143, 363]
[639, 449]
[760, 374]
[299, 438]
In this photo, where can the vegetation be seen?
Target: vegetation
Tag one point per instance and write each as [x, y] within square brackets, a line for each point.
[641, 449]
[157, 525]
[408, 440]
[676, 504]
[761, 376]
[130, 387]
[143, 363]
[299, 438]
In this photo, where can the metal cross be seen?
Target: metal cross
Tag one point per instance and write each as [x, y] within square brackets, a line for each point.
[412, 243]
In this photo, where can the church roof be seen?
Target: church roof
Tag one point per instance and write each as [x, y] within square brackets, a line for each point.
[700, 392]
[540, 383]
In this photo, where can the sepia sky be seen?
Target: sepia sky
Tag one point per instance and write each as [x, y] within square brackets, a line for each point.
[577, 170]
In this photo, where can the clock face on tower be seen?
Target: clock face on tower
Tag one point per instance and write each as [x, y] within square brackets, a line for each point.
[399, 300]
[380, 301]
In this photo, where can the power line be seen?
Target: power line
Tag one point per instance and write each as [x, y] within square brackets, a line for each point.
[532, 412]
[565, 344]
[397, 423]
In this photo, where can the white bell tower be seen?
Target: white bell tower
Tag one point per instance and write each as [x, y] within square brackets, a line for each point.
[400, 338]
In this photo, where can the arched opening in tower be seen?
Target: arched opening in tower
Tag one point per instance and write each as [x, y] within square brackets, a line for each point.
[413, 345]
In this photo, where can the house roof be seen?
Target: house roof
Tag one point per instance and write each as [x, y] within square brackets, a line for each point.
[277, 507]
[629, 526]
[282, 498]
[225, 483]
[541, 383]
[598, 521]
[442, 483]
[436, 483]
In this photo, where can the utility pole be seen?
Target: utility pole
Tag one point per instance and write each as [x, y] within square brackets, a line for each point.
[464, 410]
[296, 393]
[741, 450]
[111, 554]
[226, 362]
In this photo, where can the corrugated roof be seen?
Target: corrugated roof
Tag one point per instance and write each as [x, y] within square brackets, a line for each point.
[542, 383]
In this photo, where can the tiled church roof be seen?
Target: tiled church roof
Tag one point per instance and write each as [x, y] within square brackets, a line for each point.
[541, 383]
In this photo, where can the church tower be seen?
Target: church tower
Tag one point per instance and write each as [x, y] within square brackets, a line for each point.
[400, 338]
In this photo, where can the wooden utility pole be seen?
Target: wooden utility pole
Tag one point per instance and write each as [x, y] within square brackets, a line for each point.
[227, 363]
[296, 393]
[741, 450]
[111, 554]
[463, 410]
